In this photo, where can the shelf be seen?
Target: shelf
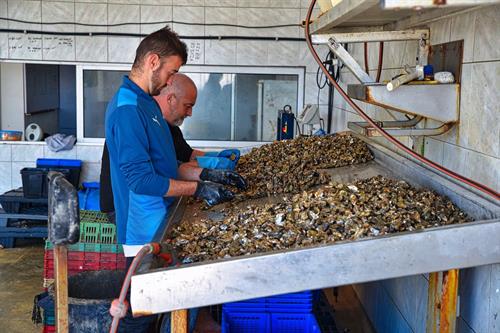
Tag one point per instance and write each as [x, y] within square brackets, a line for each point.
[354, 15]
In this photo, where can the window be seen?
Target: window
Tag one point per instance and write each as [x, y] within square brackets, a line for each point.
[234, 105]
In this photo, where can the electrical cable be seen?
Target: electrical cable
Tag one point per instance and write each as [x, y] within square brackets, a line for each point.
[121, 34]
[386, 135]
[156, 22]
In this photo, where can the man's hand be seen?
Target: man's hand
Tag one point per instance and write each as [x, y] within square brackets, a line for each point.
[225, 177]
[212, 193]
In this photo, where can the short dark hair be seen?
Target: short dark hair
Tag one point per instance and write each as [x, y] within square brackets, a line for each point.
[163, 42]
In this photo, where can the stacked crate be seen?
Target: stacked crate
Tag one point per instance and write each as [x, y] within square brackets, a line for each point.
[96, 250]
[278, 314]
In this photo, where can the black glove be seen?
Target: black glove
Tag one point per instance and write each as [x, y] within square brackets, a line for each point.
[226, 177]
[213, 193]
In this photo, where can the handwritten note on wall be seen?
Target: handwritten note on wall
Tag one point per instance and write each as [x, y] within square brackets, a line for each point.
[31, 46]
[195, 52]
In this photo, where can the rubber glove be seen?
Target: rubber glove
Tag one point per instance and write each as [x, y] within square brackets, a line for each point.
[232, 154]
[215, 163]
[225, 177]
[212, 193]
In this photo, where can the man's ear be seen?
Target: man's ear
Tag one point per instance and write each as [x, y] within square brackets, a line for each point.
[153, 61]
[170, 97]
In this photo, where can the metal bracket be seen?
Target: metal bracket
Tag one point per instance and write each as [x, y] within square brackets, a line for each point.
[372, 36]
[348, 61]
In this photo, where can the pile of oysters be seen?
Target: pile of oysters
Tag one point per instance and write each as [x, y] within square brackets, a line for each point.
[293, 166]
[333, 212]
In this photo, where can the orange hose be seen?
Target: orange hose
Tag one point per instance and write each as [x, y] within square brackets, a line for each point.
[386, 135]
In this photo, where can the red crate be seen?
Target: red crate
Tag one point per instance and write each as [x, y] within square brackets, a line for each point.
[72, 255]
[108, 265]
[109, 257]
[92, 265]
[49, 329]
[92, 256]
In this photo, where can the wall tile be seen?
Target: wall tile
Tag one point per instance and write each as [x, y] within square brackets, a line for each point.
[23, 46]
[474, 292]
[455, 158]
[463, 27]
[440, 31]
[263, 17]
[26, 11]
[16, 172]
[434, 150]
[253, 3]
[251, 53]
[58, 47]
[311, 91]
[396, 54]
[90, 172]
[27, 153]
[305, 57]
[6, 178]
[122, 49]
[189, 15]
[188, 2]
[483, 168]
[494, 315]
[486, 34]
[4, 45]
[4, 13]
[126, 2]
[154, 14]
[220, 3]
[285, 4]
[68, 154]
[91, 14]
[91, 154]
[484, 123]
[196, 51]
[157, 2]
[94, 49]
[5, 153]
[220, 52]
[220, 15]
[58, 12]
[122, 14]
[282, 53]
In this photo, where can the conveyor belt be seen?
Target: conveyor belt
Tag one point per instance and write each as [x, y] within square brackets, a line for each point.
[342, 263]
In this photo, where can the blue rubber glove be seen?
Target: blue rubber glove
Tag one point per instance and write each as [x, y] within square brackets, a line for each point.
[232, 154]
[215, 163]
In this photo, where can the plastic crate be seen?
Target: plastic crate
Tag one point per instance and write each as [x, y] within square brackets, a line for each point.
[89, 232]
[234, 322]
[93, 216]
[107, 233]
[296, 303]
[35, 182]
[49, 318]
[294, 323]
[49, 329]
[74, 168]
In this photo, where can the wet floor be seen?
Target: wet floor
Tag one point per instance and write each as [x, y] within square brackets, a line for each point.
[21, 278]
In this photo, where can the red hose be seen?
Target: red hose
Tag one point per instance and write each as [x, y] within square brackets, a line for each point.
[119, 306]
[386, 135]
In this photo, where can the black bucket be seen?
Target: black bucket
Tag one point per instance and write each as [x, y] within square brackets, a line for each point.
[90, 296]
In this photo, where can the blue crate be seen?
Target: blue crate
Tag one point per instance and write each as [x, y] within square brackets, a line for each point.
[235, 322]
[57, 162]
[296, 303]
[294, 323]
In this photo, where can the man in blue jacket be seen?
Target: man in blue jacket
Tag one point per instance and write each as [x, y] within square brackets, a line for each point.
[144, 171]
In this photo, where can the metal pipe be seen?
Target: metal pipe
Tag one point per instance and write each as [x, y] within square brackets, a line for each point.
[386, 135]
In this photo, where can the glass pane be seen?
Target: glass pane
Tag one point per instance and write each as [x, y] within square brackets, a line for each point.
[211, 118]
[239, 107]
[99, 86]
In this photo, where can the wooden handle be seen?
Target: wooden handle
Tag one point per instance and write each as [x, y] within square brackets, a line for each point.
[179, 321]
[61, 282]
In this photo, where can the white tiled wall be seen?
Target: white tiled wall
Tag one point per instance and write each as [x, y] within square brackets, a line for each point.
[15, 157]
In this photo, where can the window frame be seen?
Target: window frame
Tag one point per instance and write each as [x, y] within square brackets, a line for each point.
[300, 71]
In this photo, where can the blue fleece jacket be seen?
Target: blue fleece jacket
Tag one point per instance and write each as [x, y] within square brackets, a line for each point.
[142, 161]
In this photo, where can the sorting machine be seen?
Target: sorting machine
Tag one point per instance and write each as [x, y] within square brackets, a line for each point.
[439, 249]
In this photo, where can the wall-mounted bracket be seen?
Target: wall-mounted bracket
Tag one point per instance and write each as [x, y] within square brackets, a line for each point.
[398, 128]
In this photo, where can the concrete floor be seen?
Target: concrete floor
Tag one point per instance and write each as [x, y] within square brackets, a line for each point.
[21, 278]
